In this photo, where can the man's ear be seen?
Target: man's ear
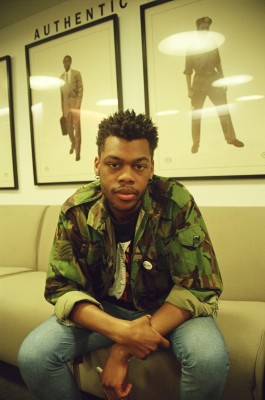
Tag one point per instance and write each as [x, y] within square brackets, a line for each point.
[152, 169]
[96, 166]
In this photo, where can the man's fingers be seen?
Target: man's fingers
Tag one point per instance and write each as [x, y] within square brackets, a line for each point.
[112, 393]
[126, 391]
[119, 392]
[165, 343]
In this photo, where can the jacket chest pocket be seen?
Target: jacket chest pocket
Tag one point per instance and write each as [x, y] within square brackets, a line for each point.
[192, 250]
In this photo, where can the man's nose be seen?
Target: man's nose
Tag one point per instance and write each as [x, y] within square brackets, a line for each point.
[126, 174]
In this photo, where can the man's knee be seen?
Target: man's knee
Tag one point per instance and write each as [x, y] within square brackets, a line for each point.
[28, 354]
[36, 350]
[199, 342]
[213, 359]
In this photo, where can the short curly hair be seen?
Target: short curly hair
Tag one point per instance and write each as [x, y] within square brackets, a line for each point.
[127, 125]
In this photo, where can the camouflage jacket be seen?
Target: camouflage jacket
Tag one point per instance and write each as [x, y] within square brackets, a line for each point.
[170, 234]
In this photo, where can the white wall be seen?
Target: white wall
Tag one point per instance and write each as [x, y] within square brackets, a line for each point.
[247, 192]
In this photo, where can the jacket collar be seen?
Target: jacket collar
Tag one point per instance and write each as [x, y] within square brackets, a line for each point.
[98, 214]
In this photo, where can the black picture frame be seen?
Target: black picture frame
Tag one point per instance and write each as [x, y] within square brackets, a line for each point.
[8, 159]
[166, 93]
[95, 52]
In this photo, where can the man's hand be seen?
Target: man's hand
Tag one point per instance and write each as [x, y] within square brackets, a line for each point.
[114, 377]
[141, 339]
[138, 336]
[190, 93]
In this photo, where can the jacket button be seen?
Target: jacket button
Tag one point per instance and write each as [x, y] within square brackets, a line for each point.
[147, 265]
[196, 241]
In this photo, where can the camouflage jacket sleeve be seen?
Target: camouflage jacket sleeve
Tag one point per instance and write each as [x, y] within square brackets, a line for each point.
[197, 279]
[66, 283]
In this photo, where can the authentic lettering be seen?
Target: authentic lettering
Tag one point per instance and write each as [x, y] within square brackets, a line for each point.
[79, 18]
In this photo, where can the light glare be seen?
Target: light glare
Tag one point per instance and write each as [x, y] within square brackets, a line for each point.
[4, 111]
[45, 82]
[190, 43]
[250, 97]
[107, 102]
[232, 80]
[167, 112]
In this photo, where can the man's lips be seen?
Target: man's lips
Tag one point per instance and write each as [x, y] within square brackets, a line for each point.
[126, 193]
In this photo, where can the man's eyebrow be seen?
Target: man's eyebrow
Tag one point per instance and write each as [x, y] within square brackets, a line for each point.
[115, 158]
[112, 157]
[142, 159]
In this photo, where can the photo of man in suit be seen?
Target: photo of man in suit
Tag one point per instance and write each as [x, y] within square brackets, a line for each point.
[71, 99]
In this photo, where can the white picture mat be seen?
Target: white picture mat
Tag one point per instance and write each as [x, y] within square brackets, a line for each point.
[242, 24]
[93, 54]
[7, 145]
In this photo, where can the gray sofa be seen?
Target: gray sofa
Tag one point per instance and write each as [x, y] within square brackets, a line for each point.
[238, 235]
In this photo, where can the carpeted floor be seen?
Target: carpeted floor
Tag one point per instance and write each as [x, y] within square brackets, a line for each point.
[12, 386]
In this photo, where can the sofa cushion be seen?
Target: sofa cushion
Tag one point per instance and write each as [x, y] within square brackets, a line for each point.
[19, 230]
[23, 308]
[14, 270]
[46, 235]
[160, 372]
[238, 236]
[243, 326]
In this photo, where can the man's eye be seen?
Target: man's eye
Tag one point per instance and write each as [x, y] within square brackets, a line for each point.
[114, 165]
[140, 167]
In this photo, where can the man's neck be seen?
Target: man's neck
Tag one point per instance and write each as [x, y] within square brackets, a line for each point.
[122, 217]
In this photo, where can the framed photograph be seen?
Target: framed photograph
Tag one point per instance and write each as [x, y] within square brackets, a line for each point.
[8, 163]
[205, 86]
[74, 81]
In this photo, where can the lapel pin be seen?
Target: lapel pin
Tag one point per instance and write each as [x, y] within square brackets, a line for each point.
[147, 265]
